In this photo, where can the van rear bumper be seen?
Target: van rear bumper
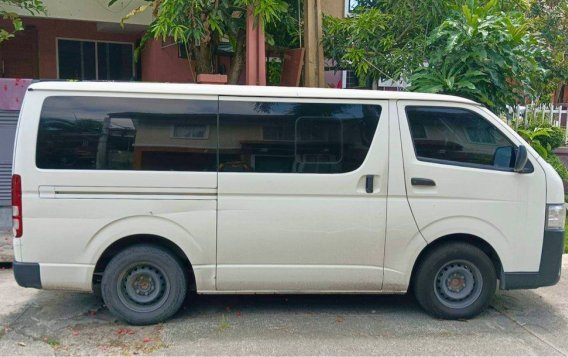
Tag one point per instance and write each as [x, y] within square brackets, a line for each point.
[550, 265]
[27, 274]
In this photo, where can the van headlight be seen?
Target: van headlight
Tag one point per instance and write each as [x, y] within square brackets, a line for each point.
[555, 216]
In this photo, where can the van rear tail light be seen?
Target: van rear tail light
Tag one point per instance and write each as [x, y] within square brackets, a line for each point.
[17, 206]
[555, 216]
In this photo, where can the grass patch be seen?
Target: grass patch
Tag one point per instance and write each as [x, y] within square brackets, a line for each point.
[223, 324]
[51, 341]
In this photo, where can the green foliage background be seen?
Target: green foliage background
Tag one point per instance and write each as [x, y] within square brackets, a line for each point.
[497, 52]
[33, 7]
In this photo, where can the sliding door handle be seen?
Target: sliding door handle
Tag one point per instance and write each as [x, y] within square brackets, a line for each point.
[418, 181]
[369, 184]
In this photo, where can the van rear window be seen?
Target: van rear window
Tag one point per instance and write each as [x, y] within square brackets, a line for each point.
[102, 133]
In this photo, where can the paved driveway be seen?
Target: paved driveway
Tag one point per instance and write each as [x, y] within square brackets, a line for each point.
[518, 323]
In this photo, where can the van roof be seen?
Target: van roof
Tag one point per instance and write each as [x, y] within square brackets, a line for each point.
[238, 90]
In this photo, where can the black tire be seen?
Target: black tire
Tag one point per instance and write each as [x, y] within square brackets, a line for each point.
[144, 284]
[455, 281]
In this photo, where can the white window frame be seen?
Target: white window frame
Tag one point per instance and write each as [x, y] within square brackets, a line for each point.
[347, 7]
[96, 42]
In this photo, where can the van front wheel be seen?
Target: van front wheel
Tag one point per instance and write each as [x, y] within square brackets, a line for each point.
[144, 284]
[455, 281]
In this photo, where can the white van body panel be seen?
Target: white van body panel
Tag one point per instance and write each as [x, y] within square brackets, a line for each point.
[488, 204]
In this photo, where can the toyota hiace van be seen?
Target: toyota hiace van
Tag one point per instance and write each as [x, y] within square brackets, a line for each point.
[146, 192]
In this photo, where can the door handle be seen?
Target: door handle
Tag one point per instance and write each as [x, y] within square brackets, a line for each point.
[418, 181]
[369, 184]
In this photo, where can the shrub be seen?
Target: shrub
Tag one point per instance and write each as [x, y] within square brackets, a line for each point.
[558, 165]
[556, 136]
[544, 138]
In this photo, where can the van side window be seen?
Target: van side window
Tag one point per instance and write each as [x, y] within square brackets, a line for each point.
[459, 136]
[282, 137]
[110, 133]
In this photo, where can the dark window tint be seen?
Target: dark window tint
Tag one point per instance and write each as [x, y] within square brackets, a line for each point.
[295, 137]
[101, 133]
[458, 135]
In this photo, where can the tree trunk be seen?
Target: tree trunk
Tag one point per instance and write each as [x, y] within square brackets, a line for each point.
[203, 58]
[238, 61]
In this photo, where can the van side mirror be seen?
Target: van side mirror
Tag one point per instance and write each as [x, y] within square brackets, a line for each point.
[521, 159]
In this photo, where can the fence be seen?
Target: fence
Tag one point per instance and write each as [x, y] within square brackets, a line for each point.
[544, 113]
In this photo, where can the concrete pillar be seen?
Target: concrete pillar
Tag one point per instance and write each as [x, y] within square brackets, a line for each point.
[255, 67]
[314, 66]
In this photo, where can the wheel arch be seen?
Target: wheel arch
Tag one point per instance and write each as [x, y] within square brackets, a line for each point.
[136, 239]
[464, 238]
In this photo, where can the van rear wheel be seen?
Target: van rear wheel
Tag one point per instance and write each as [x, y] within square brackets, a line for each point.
[144, 284]
[455, 281]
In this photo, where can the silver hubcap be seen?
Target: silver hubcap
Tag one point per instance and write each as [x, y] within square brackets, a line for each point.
[458, 284]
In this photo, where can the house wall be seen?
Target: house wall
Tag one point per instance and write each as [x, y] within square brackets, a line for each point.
[158, 64]
[51, 29]
[164, 64]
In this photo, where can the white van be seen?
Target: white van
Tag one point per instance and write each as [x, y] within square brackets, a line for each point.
[149, 191]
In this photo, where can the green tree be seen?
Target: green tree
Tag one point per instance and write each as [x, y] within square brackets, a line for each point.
[201, 25]
[388, 39]
[550, 19]
[285, 31]
[34, 7]
[484, 54]
[383, 38]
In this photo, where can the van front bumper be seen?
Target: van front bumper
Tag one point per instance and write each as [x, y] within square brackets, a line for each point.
[550, 265]
[27, 274]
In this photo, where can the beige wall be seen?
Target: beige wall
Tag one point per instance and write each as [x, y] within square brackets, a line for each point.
[333, 7]
[92, 10]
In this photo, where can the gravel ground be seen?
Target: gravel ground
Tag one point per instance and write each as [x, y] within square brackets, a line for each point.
[6, 250]
[531, 322]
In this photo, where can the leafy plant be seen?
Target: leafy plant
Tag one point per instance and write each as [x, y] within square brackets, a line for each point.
[201, 25]
[558, 165]
[382, 39]
[550, 19]
[482, 53]
[33, 7]
[273, 72]
[388, 39]
[556, 137]
[537, 138]
[544, 140]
